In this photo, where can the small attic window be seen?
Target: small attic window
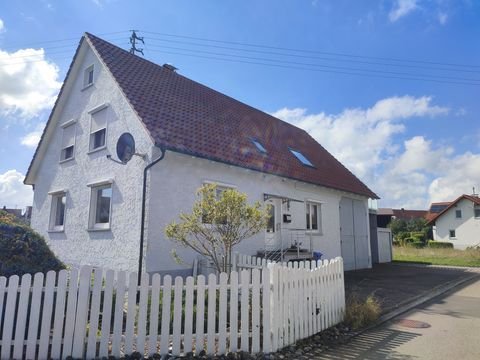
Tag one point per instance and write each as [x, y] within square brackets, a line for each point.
[303, 159]
[88, 76]
[259, 146]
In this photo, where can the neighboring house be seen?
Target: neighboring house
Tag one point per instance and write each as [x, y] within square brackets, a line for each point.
[88, 207]
[458, 222]
[385, 215]
[24, 217]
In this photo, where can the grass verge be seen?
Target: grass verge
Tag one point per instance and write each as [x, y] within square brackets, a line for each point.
[433, 256]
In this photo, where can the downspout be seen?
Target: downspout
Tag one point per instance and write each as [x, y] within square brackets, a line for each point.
[144, 200]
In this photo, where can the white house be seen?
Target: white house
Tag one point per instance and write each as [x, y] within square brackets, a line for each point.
[459, 222]
[88, 204]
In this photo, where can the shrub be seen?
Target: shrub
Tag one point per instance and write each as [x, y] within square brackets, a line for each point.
[361, 313]
[22, 250]
[440, 244]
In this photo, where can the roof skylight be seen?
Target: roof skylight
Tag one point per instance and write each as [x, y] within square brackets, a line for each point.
[303, 159]
[259, 146]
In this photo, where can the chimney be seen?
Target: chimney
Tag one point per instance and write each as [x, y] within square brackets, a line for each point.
[170, 67]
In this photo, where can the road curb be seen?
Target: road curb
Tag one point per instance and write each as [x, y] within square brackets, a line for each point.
[439, 290]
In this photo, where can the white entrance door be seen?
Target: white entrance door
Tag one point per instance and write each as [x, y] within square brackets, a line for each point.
[354, 234]
[273, 234]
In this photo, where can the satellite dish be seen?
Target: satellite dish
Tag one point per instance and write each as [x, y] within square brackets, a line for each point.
[125, 147]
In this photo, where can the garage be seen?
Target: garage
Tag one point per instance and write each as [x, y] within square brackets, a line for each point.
[354, 234]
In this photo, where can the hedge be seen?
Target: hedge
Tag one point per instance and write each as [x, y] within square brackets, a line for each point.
[416, 244]
[22, 250]
[440, 244]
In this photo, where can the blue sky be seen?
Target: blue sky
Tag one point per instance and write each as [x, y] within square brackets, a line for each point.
[411, 140]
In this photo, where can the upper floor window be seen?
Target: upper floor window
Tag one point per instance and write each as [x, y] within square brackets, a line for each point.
[68, 142]
[476, 211]
[100, 207]
[88, 76]
[458, 214]
[57, 211]
[313, 215]
[302, 158]
[98, 129]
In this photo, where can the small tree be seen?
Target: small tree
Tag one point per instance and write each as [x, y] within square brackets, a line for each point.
[218, 222]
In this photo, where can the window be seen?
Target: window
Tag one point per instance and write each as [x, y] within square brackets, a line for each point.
[57, 212]
[313, 215]
[100, 207]
[218, 195]
[458, 214]
[68, 143]
[88, 76]
[98, 129]
[452, 234]
[259, 146]
[302, 158]
[476, 211]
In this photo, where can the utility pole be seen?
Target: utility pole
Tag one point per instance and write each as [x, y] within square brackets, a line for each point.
[133, 41]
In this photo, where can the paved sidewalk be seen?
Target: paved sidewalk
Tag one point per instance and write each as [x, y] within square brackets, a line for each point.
[445, 327]
[397, 284]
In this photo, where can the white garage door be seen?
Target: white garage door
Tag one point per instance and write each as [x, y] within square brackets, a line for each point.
[354, 234]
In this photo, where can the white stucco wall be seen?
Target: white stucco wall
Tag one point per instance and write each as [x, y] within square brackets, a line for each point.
[118, 247]
[467, 229]
[174, 182]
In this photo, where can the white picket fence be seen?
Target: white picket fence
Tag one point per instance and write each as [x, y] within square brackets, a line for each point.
[91, 313]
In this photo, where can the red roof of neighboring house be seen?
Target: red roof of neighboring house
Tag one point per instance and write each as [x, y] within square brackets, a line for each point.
[474, 199]
[409, 214]
[187, 117]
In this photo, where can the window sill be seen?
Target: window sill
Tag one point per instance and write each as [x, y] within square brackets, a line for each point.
[315, 233]
[99, 229]
[56, 231]
[97, 149]
[87, 87]
[66, 160]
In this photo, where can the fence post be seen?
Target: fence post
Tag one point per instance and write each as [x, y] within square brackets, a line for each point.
[266, 314]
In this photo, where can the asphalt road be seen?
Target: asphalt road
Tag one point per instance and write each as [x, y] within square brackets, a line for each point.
[453, 331]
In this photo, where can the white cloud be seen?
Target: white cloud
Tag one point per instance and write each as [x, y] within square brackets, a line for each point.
[28, 82]
[2, 26]
[361, 138]
[402, 8]
[442, 18]
[31, 139]
[13, 193]
[405, 174]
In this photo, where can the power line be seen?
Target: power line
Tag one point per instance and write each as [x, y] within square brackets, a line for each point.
[310, 51]
[310, 56]
[295, 63]
[321, 70]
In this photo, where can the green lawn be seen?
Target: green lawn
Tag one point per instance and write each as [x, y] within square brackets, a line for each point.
[437, 256]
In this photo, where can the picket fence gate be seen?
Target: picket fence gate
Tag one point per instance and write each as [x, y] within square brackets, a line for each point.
[92, 313]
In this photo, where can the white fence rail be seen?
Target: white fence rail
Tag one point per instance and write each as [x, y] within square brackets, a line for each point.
[92, 313]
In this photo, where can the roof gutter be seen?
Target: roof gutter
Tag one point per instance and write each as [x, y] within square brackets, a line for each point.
[144, 200]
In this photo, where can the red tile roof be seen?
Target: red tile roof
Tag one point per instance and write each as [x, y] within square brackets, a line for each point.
[187, 117]
[190, 118]
[474, 199]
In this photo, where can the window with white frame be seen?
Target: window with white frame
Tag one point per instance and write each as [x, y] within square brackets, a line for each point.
[476, 211]
[88, 76]
[451, 234]
[68, 143]
[313, 217]
[57, 212]
[458, 214]
[100, 207]
[98, 129]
